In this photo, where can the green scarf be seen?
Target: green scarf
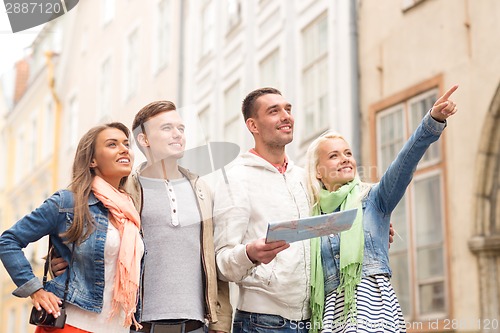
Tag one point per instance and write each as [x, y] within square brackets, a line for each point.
[351, 252]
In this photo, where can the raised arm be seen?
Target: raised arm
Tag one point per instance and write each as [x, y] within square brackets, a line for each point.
[395, 180]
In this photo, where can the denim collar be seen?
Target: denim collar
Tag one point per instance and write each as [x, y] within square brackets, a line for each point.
[92, 199]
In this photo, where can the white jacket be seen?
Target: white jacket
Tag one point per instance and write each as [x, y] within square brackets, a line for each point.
[255, 194]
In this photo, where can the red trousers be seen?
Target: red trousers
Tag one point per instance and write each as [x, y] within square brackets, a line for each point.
[67, 329]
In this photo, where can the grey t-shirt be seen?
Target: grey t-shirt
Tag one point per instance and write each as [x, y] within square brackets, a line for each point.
[173, 283]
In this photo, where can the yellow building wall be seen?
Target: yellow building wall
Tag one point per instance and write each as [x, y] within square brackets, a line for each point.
[399, 49]
[28, 183]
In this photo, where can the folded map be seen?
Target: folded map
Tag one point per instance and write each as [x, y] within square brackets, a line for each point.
[310, 227]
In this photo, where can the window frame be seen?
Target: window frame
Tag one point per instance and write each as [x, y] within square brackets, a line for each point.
[266, 80]
[208, 29]
[132, 63]
[312, 66]
[72, 121]
[162, 35]
[434, 84]
[108, 11]
[104, 96]
[409, 4]
[232, 115]
[429, 173]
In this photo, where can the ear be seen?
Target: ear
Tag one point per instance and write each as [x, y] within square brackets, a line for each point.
[318, 174]
[93, 164]
[142, 140]
[252, 126]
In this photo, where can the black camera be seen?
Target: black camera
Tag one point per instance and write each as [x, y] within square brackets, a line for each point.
[44, 319]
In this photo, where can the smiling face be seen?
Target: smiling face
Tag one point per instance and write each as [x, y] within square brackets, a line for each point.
[113, 158]
[336, 165]
[164, 137]
[273, 122]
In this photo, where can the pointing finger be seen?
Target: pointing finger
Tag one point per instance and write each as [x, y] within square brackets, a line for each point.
[447, 94]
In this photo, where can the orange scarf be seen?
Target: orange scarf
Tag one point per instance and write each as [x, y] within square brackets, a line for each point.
[125, 218]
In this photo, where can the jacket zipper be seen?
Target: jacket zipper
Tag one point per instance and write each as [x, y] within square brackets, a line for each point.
[303, 245]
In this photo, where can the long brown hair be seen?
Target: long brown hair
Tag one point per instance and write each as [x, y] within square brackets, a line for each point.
[81, 183]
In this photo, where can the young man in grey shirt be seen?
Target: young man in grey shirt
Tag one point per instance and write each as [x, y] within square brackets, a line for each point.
[179, 291]
[180, 287]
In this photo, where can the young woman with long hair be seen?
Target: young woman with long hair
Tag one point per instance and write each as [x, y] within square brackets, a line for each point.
[94, 226]
[350, 273]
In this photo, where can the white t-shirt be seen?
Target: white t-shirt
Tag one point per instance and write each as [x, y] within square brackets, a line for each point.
[100, 322]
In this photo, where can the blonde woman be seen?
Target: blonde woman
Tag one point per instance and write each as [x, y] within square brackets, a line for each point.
[350, 273]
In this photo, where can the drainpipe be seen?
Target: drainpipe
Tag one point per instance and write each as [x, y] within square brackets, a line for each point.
[57, 123]
[180, 77]
[355, 96]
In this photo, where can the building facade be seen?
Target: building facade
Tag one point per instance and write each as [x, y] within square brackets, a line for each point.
[100, 62]
[446, 260]
[30, 139]
[369, 69]
[113, 57]
[307, 49]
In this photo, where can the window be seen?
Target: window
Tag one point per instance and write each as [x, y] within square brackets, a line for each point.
[264, 3]
[131, 64]
[20, 157]
[104, 106]
[49, 125]
[419, 106]
[315, 75]
[107, 11]
[11, 324]
[84, 41]
[162, 35]
[417, 256]
[204, 120]
[3, 166]
[73, 122]
[25, 313]
[408, 4]
[208, 29]
[32, 145]
[429, 244]
[232, 118]
[269, 69]
[390, 127]
[233, 14]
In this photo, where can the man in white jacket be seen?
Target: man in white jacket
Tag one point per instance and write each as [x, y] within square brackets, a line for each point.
[263, 185]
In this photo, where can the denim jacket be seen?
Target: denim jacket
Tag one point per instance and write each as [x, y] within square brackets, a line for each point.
[378, 205]
[53, 217]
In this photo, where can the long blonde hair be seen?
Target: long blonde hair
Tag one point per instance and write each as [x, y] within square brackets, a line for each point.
[81, 183]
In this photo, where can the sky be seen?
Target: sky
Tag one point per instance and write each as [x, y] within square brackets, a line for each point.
[13, 46]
